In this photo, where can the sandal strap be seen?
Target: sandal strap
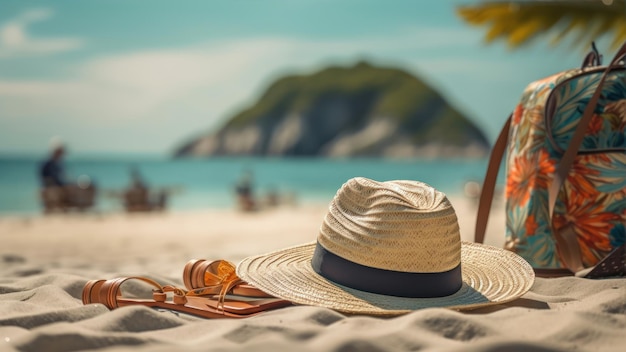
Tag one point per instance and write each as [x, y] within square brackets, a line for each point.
[180, 296]
[189, 271]
[111, 290]
[91, 291]
[107, 292]
[202, 277]
[217, 278]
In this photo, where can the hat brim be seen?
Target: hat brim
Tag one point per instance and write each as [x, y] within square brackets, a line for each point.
[490, 276]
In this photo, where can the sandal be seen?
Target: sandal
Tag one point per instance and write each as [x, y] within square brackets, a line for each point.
[217, 277]
[108, 292]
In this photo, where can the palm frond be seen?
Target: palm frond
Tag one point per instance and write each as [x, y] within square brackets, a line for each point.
[520, 22]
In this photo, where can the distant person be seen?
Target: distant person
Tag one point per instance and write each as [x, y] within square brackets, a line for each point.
[136, 196]
[137, 181]
[51, 171]
[245, 193]
[59, 194]
[53, 195]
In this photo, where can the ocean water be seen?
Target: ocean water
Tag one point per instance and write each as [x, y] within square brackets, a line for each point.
[209, 183]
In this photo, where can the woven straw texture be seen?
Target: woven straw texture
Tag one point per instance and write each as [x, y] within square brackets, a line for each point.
[397, 225]
[403, 226]
[490, 276]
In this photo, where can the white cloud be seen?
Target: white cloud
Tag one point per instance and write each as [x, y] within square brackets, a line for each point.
[35, 14]
[170, 74]
[144, 100]
[15, 40]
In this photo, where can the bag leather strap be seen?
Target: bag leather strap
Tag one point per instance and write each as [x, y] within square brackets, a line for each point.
[593, 58]
[567, 242]
[489, 184]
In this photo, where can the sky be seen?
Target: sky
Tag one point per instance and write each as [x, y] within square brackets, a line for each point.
[145, 76]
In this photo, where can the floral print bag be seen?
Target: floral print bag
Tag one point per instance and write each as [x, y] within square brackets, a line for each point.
[565, 146]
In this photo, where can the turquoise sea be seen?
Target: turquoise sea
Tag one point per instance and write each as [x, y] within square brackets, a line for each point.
[209, 183]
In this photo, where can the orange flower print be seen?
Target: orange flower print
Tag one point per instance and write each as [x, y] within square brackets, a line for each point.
[579, 179]
[545, 167]
[524, 176]
[519, 180]
[531, 225]
[598, 159]
[517, 114]
[595, 126]
[592, 226]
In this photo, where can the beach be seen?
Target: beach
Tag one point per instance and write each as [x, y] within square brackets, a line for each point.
[46, 260]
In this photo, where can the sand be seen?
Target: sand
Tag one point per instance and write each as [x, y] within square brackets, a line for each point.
[46, 260]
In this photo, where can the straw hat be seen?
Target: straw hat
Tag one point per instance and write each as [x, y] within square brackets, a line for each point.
[387, 248]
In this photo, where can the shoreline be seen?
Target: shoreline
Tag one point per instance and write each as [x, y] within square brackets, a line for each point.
[200, 233]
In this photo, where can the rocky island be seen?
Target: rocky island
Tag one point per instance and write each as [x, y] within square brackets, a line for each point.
[361, 110]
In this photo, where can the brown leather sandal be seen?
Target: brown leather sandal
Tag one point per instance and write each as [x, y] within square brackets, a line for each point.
[218, 277]
[108, 292]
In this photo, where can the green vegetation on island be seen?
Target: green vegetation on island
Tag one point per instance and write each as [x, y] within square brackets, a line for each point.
[360, 110]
